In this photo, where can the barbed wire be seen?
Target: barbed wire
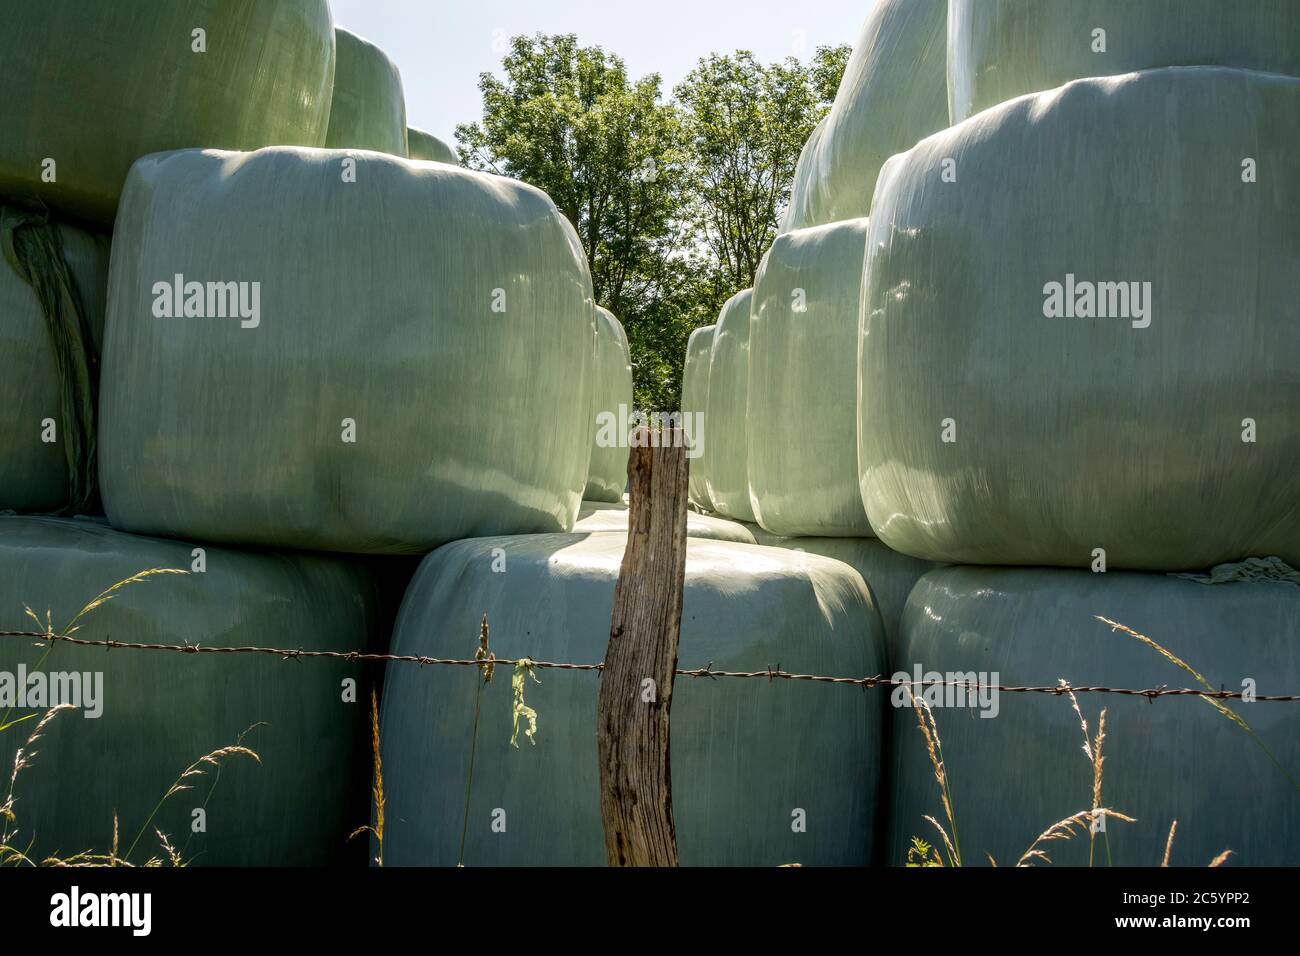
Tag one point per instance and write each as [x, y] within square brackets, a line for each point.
[769, 673]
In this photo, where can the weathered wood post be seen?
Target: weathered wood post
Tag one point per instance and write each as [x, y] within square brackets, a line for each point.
[636, 685]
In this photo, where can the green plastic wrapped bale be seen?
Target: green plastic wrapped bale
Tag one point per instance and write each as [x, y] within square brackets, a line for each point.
[801, 418]
[1045, 374]
[800, 210]
[695, 402]
[48, 398]
[143, 717]
[605, 516]
[369, 107]
[607, 473]
[417, 371]
[889, 574]
[726, 476]
[91, 87]
[893, 94]
[1001, 49]
[1178, 758]
[747, 755]
[426, 146]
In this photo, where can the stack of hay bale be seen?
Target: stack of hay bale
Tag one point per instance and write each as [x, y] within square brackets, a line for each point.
[300, 365]
[1063, 338]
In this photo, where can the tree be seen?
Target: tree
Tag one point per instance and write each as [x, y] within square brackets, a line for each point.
[674, 202]
[745, 125]
[607, 150]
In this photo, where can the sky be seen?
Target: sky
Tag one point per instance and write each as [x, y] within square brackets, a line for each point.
[441, 46]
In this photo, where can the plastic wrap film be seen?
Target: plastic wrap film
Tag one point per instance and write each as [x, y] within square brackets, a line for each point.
[369, 107]
[889, 574]
[426, 146]
[893, 93]
[1001, 49]
[418, 369]
[726, 474]
[84, 96]
[607, 473]
[800, 210]
[743, 752]
[36, 474]
[695, 401]
[1176, 758]
[1044, 377]
[606, 516]
[159, 712]
[801, 422]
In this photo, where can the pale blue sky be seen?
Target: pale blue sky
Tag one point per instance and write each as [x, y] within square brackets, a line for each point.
[441, 46]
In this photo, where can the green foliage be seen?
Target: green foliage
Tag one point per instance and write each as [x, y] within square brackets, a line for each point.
[523, 669]
[674, 202]
[747, 123]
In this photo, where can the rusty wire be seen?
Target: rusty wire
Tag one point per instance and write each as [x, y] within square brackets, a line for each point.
[769, 673]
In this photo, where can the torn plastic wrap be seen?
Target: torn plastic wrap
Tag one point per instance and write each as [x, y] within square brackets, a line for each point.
[53, 280]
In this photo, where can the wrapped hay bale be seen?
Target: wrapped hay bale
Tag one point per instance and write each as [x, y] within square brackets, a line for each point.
[893, 93]
[369, 107]
[607, 473]
[1229, 786]
[142, 717]
[1045, 377]
[53, 281]
[695, 403]
[1001, 49]
[746, 754]
[801, 423]
[726, 475]
[889, 574]
[91, 87]
[426, 146]
[604, 516]
[422, 374]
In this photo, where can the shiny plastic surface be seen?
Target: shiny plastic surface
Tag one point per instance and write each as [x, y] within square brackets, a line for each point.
[161, 712]
[801, 419]
[95, 86]
[426, 146]
[695, 400]
[726, 477]
[1001, 49]
[1129, 433]
[606, 516]
[369, 107]
[1175, 758]
[612, 378]
[894, 93]
[420, 370]
[33, 472]
[745, 753]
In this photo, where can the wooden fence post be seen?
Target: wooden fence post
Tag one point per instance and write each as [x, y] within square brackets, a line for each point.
[636, 685]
